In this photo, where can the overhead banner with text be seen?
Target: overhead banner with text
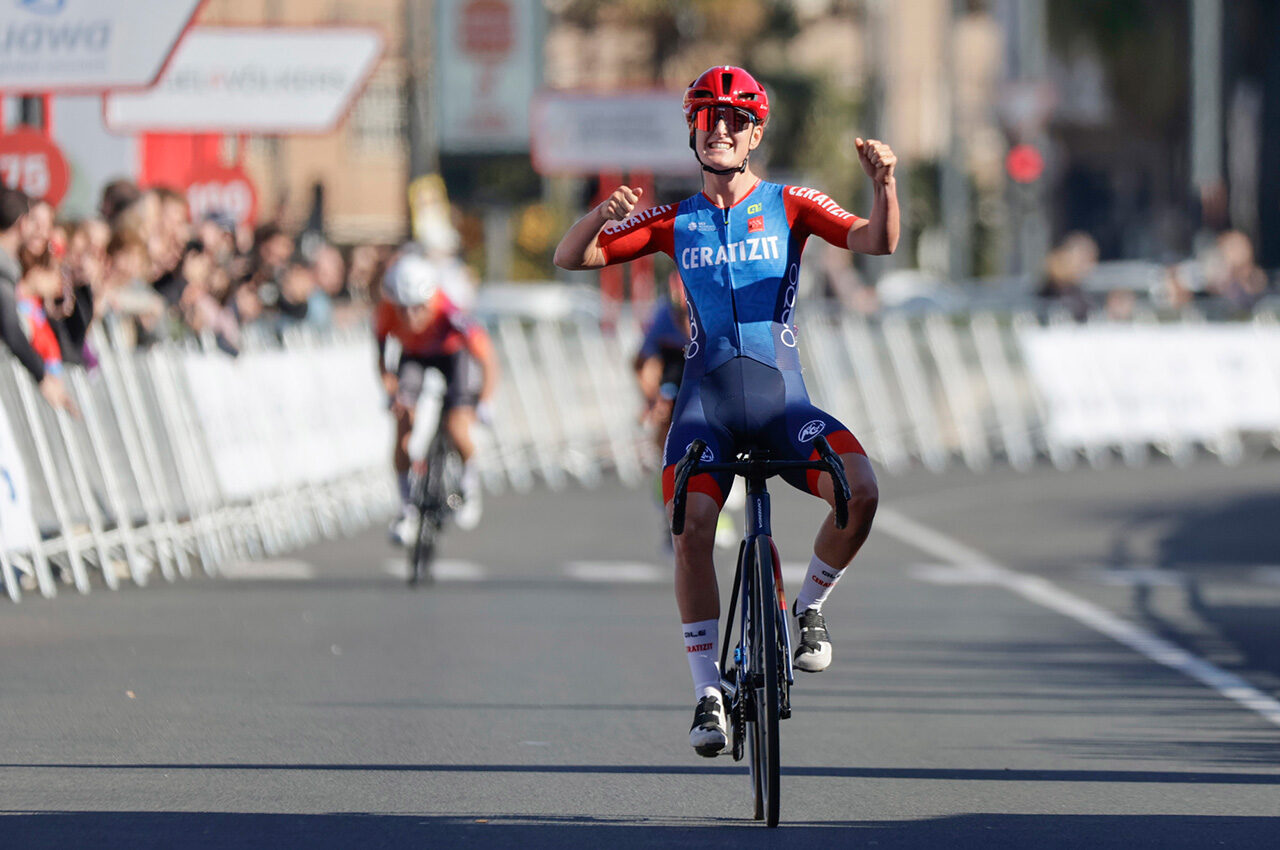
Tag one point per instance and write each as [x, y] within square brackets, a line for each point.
[88, 45]
[488, 64]
[270, 81]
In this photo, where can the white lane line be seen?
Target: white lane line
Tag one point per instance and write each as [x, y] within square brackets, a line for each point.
[1043, 592]
[444, 569]
[1267, 575]
[277, 569]
[619, 572]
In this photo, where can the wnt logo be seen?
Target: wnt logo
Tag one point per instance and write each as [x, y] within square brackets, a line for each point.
[811, 430]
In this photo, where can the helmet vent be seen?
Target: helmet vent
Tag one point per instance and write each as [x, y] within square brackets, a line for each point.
[726, 83]
[747, 96]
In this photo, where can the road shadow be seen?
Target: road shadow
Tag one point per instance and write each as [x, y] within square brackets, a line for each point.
[336, 831]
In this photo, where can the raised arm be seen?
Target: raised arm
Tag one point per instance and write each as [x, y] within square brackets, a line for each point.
[578, 249]
[878, 233]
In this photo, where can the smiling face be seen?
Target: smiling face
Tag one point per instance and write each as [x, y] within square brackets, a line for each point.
[727, 139]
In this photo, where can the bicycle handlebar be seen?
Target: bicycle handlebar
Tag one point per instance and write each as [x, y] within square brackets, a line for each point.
[828, 461]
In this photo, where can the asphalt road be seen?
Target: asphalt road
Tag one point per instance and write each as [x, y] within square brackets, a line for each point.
[1007, 675]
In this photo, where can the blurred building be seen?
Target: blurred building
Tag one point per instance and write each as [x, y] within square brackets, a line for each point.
[364, 164]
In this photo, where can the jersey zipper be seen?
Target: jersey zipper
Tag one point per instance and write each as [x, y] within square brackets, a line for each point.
[733, 300]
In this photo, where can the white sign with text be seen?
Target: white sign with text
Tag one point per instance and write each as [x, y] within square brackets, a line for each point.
[88, 45]
[587, 133]
[273, 81]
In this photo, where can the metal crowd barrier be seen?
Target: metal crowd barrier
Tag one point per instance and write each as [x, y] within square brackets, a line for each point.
[183, 458]
[920, 390]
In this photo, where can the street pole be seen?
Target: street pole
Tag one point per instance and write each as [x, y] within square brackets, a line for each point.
[424, 151]
[956, 203]
[1206, 105]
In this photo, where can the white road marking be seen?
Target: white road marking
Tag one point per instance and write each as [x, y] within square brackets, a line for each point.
[951, 575]
[1045, 593]
[1138, 577]
[444, 569]
[277, 569]
[1267, 575]
[622, 572]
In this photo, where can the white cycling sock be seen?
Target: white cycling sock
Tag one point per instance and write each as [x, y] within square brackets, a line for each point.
[817, 585]
[700, 640]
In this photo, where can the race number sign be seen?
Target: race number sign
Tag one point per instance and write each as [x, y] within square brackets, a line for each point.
[225, 190]
[88, 45]
[31, 162]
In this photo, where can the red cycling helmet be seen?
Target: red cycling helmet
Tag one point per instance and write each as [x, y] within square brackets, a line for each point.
[726, 85]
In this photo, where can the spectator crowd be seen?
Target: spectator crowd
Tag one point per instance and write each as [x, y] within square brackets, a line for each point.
[147, 271]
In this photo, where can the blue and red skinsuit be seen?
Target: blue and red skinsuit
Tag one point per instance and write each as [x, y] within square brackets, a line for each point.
[740, 266]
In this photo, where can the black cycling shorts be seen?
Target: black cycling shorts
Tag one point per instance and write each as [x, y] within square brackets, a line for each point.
[462, 377]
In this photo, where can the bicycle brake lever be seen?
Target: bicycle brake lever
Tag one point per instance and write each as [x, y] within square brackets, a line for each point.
[683, 470]
[840, 485]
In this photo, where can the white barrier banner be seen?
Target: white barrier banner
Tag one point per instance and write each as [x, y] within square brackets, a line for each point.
[279, 420]
[1113, 384]
[17, 524]
[88, 45]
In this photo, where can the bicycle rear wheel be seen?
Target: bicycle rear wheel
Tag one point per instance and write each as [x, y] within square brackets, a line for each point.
[766, 684]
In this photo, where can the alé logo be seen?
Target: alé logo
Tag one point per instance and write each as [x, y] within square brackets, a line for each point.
[47, 32]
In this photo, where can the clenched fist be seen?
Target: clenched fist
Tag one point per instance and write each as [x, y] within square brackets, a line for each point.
[877, 158]
[620, 204]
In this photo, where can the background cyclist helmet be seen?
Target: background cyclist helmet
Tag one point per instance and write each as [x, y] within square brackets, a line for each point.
[724, 86]
[411, 280]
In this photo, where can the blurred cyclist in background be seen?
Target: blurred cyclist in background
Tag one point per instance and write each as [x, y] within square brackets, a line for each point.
[433, 333]
[659, 368]
[737, 245]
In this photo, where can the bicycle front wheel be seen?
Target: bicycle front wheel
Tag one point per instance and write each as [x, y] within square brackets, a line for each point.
[766, 683]
[424, 549]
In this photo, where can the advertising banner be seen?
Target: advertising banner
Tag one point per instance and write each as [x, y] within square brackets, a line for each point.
[269, 81]
[1106, 385]
[17, 526]
[488, 63]
[88, 45]
[576, 133]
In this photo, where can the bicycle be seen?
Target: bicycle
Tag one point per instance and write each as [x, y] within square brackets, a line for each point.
[758, 685]
[436, 493]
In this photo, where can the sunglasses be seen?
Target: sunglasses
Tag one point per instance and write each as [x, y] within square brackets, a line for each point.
[735, 119]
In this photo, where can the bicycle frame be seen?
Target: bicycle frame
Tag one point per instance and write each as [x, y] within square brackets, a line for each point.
[759, 691]
[758, 525]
